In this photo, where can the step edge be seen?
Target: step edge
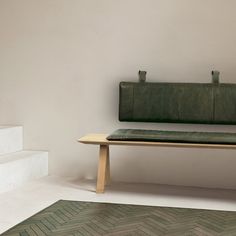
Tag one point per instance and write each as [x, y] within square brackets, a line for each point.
[19, 155]
[10, 126]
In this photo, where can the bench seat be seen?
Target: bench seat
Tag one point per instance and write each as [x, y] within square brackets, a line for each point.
[104, 143]
[173, 136]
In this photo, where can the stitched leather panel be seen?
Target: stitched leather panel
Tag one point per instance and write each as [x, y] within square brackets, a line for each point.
[166, 102]
[173, 136]
[225, 104]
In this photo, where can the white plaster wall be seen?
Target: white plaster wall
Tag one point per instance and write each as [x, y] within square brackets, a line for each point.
[61, 62]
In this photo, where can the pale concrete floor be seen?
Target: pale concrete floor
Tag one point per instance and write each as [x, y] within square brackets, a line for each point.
[19, 204]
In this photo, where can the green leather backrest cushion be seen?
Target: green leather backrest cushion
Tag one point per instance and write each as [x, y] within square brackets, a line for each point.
[178, 102]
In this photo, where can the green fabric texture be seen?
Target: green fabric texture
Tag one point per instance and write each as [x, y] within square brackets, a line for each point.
[173, 136]
[73, 218]
[178, 102]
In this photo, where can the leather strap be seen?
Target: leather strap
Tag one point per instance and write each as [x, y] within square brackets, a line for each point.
[215, 77]
[142, 76]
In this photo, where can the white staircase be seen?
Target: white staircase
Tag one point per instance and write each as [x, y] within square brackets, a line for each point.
[18, 166]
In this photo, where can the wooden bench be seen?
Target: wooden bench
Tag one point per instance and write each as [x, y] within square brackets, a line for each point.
[103, 175]
[195, 103]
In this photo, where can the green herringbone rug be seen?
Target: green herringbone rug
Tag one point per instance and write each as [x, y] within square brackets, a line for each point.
[93, 219]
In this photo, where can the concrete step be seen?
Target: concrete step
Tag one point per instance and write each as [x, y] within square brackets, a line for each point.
[20, 167]
[11, 139]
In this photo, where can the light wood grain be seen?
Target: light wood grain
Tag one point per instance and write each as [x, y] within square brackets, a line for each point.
[108, 174]
[102, 168]
[100, 139]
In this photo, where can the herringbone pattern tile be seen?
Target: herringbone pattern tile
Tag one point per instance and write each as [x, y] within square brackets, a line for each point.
[71, 218]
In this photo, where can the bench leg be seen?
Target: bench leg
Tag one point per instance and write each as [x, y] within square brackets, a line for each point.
[103, 168]
[108, 175]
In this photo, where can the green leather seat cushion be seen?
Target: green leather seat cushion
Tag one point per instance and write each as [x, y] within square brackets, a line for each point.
[173, 136]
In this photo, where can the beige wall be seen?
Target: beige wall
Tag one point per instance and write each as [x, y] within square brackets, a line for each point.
[61, 62]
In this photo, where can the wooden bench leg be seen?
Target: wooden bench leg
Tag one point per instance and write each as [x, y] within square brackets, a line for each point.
[108, 175]
[103, 168]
